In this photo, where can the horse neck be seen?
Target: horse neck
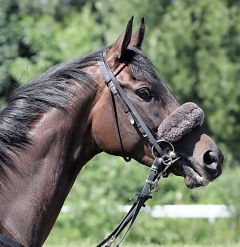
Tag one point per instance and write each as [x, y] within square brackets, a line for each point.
[33, 193]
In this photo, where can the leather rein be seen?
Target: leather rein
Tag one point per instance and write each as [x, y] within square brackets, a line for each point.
[163, 160]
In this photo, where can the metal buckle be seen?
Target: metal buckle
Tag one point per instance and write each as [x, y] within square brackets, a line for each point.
[169, 156]
[167, 144]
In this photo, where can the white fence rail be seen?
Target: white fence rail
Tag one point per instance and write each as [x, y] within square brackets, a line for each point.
[210, 211]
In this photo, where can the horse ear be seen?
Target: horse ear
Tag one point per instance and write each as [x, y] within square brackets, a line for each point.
[137, 37]
[118, 49]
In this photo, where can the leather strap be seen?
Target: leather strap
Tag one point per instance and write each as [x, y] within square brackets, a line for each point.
[114, 108]
[9, 242]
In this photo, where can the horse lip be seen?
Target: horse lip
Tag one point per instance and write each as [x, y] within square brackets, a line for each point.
[192, 164]
[195, 168]
[192, 175]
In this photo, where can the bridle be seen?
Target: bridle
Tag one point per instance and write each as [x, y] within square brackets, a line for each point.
[163, 159]
[118, 93]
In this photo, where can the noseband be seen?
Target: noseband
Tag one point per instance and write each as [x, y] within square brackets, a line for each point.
[163, 159]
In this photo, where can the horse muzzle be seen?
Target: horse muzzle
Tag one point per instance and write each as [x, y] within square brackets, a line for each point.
[200, 159]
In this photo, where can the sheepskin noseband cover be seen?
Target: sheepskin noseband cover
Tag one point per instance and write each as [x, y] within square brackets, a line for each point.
[180, 122]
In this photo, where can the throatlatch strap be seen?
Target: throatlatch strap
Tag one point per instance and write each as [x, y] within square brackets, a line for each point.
[124, 155]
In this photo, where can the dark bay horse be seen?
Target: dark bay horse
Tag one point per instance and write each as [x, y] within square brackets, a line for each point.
[53, 126]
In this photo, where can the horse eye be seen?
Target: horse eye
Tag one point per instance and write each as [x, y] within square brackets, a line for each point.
[144, 93]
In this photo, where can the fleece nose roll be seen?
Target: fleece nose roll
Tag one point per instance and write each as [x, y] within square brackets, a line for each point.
[180, 122]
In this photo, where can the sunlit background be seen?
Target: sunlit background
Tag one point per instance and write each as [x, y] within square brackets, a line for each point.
[195, 47]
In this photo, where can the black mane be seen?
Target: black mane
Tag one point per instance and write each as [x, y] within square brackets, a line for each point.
[51, 89]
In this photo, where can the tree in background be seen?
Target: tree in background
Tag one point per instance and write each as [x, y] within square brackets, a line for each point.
[9, 45]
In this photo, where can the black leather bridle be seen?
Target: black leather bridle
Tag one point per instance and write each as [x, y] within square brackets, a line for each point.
[163, 159]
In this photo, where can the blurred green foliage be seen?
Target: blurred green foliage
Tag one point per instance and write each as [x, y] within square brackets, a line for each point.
[94, 204]
[195, 46]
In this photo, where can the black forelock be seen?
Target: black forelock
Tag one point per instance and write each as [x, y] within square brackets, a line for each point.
[141, 66]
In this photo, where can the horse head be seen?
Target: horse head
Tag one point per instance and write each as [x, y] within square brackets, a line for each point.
[200, 160]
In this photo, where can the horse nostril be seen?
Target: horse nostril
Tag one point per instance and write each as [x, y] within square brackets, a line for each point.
[212, 161]
[209, 158]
